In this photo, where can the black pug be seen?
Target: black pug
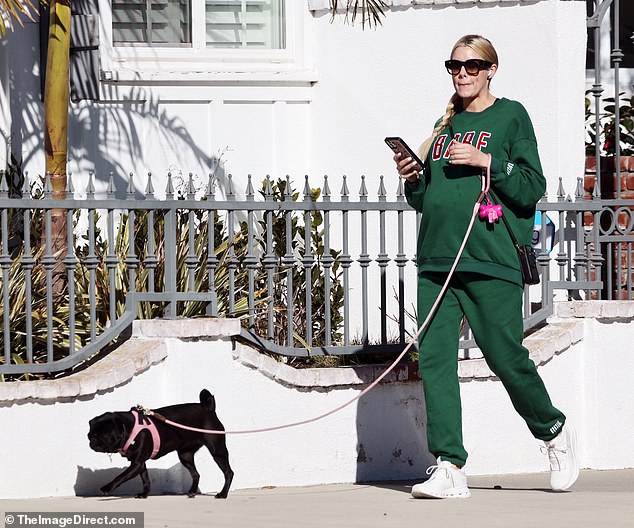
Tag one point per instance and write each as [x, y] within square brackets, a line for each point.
[110, 432]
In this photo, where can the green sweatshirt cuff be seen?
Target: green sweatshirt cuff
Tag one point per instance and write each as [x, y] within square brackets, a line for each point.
[496, 166]
[412, 187]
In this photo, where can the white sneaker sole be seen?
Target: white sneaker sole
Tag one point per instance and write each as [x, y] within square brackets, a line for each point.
[454, 493]
[573, 448]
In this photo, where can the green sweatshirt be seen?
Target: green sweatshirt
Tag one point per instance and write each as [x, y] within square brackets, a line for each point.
[446, 193]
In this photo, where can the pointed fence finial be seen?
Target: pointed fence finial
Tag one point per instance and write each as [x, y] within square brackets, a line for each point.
[90, 189]
[231, 195]
[111, 187]
[191, 188]
[169, 189]
[307, 192]
[70, 188]
[249, 191]
[130, 192]
[345, 193]
[4, 187]
[579, 191]
[382, 191]
[210, 192]
[26, 187]
[48, 188]
[268, 190]
[400, 191]
[288, 192]
[326, 192]
[149, 188]
[363, 191]
[561, 193]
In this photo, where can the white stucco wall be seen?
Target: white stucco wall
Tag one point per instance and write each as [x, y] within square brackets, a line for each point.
[585, 359]
[327, 110]
[391, 81]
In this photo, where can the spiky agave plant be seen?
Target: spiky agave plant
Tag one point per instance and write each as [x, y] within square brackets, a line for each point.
[21, 274]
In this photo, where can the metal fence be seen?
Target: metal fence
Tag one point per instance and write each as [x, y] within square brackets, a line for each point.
[610, 147]
[310, 273]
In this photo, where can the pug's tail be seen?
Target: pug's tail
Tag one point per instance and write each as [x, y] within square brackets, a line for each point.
[207, 400]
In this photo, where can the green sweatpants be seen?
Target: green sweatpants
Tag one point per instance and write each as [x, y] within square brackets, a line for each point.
[493, 308]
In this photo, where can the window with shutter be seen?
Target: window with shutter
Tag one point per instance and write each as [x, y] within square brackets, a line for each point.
[211, 40]
[244, 23]
[227, 23]
[151, 22]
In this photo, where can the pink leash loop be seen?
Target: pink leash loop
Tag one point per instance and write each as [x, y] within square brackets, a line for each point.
[490, 212]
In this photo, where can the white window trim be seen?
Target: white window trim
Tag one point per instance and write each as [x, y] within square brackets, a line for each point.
[198, 63]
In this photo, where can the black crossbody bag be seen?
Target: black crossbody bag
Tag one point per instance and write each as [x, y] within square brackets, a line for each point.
[526, 254]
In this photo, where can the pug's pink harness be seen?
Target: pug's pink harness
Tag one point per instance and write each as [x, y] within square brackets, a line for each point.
[140, 424]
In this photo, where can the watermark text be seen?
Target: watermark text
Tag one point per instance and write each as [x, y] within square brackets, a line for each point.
[73, 519]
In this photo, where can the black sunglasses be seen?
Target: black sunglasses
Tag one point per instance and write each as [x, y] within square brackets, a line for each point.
[471, 66]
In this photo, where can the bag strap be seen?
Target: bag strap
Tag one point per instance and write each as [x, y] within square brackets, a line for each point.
[486, 175]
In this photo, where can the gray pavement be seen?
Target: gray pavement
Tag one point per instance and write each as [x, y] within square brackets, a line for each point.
[598, 499]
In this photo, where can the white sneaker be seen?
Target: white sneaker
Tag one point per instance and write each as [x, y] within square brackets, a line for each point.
[562, 455]
[446, 482]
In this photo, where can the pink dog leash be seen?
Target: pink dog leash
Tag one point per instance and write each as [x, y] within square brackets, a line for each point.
[476, 208]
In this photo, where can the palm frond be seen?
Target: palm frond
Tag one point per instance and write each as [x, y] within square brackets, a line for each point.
[11, 10]
[371, 11]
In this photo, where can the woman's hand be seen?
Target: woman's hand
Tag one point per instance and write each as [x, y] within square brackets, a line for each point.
[406, 168]
[467, 154]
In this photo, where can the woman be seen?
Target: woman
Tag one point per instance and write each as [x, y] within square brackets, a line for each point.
[478, 129]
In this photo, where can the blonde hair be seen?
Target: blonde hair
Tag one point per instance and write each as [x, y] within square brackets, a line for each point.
[485, 49]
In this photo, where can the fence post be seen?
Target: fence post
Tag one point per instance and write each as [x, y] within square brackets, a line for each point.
[170, 252]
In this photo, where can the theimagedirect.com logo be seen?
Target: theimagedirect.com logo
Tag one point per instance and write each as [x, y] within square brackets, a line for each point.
[74, 519]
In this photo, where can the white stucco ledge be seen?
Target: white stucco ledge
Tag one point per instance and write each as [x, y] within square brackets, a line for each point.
[147, 347]
[320, 5]
[151, 339]
[207, 327]
[118, 367]
[600, 310]
[188, 74]
[543, 345]
[316, 378]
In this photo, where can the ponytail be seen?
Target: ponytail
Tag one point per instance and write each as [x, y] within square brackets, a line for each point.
[454, 105]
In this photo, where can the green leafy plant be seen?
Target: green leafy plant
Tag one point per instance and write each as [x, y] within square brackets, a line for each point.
[315, 280]
[606, 135]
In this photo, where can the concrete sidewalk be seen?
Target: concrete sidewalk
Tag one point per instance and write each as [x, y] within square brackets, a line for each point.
[598, 499]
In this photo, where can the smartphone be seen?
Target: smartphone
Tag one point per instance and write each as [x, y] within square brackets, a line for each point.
[399, 146]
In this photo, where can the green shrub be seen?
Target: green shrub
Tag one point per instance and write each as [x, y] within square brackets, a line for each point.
[607, 126]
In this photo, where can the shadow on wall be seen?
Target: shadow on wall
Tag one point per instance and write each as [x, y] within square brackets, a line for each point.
[392, 443]
[102, 135]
